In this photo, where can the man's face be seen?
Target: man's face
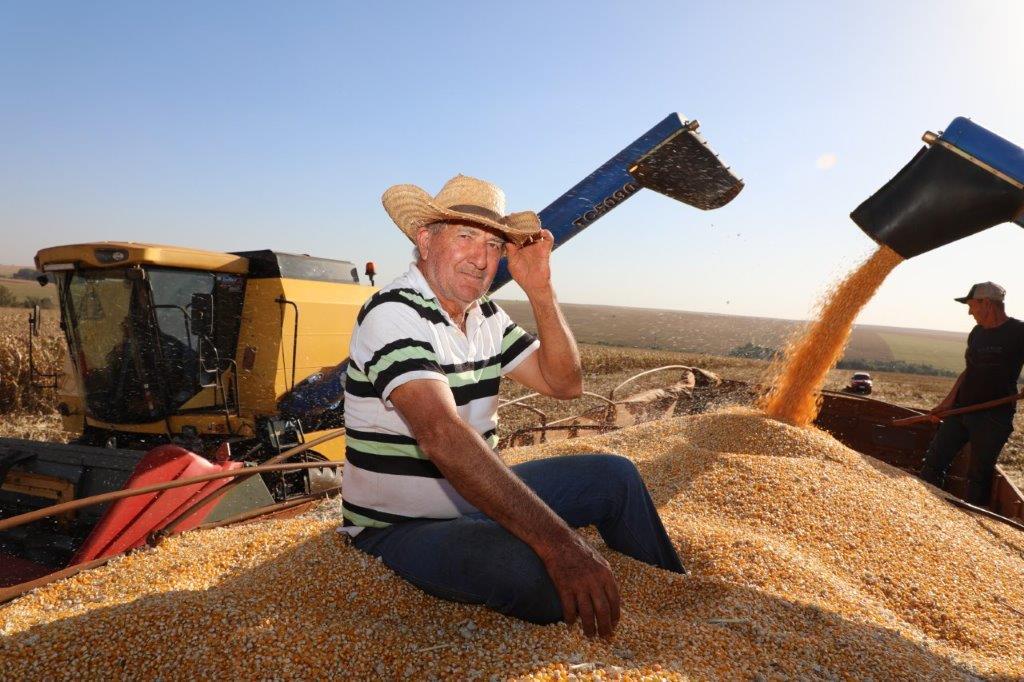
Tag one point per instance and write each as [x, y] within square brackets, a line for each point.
[980, 309]
[459, 261]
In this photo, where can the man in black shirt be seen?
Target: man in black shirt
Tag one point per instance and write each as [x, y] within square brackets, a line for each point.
[995, 354]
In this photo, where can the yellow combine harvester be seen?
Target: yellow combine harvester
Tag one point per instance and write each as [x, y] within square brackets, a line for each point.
[197, 347]
[181, 363]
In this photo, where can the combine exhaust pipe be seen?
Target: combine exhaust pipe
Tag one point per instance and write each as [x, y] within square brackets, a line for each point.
[965, 180]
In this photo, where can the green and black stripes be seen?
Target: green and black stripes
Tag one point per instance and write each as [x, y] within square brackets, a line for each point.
[370, 518]
[468, 380]
[487, 307]
[388, 453]
[472, 384]
[383, 444]
[395, 454]
[357, 385]
[396, 466]
[397, 358]
[426, 308]
[513, 342]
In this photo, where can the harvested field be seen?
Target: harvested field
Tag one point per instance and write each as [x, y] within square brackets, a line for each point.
[807, 560]
[712, 334]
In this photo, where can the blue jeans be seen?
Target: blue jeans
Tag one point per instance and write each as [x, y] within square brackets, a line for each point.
[475, 560]
[986, 432]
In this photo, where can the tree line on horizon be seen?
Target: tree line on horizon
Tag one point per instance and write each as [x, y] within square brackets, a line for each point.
[753, 351]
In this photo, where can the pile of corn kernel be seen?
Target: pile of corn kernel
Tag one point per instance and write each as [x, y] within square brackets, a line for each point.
[807, 560]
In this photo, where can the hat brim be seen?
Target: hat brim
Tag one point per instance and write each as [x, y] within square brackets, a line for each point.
[411, 208]
[965, 299]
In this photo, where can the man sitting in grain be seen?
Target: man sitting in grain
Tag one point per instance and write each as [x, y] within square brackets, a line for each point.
[424, 489]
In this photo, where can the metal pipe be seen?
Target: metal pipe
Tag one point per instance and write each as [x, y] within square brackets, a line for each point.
[295, 332]
[93, 500]
[988, 513]
[302, 447]
[531, 408]
[14, 591]
[514, 401]
[611, 394]
[270, 509]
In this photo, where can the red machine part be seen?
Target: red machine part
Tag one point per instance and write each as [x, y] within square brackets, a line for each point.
[128, 522]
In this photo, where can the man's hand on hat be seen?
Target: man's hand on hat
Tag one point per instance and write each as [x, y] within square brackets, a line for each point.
[530, 264]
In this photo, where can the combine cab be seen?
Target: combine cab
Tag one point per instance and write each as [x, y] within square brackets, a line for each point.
[196, 354]
[176, 345]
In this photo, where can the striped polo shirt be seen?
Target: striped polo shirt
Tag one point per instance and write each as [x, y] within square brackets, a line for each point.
[402, 333]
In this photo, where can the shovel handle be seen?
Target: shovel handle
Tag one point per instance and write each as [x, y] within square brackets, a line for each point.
[917, 419]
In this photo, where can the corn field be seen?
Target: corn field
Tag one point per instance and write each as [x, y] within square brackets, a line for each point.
[26, 411]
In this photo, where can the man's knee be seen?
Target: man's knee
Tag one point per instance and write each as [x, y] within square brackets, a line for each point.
[613, 468]
[522, 587]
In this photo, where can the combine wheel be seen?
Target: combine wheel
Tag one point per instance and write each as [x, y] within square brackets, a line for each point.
[320, 480]
[289, 485]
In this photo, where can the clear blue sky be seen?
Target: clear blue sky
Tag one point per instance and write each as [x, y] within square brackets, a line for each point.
[235, 126]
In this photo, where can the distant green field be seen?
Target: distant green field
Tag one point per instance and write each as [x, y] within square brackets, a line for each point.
[919, 346]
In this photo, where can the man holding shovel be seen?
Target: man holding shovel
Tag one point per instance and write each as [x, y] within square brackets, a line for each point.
[995, 355]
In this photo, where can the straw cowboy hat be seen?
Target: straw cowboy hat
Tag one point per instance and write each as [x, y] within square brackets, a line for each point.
[461, 198]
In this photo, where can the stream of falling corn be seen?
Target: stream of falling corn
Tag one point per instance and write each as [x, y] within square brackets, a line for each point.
[796, 393]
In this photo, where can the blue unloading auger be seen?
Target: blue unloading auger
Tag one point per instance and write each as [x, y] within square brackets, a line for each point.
[965, 180]
[671, 158]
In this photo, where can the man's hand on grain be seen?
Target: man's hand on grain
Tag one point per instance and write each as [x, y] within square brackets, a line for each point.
[586, 586]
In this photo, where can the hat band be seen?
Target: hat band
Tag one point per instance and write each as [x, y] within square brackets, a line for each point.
[477, 210]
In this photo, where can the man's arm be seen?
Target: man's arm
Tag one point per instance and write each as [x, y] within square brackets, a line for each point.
[947, 401]
[554, 370]
[581, 576]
